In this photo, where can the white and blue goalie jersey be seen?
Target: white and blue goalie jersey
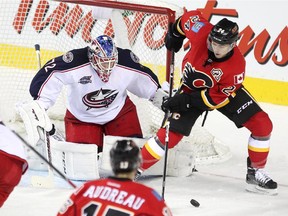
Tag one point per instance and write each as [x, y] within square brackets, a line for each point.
[90, 99]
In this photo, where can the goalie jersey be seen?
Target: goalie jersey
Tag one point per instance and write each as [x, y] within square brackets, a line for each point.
[114, 196]
[88, 98]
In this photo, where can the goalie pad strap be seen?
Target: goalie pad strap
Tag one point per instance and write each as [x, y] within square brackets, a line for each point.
[76, 161]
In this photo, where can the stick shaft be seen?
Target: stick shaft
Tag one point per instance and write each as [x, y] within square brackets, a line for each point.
[167, 115]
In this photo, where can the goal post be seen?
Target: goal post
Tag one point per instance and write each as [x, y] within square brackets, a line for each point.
[60, 26]
[168, 15]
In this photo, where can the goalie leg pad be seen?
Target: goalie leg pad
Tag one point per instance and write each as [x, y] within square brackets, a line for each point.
[180, 159]
[76, 161]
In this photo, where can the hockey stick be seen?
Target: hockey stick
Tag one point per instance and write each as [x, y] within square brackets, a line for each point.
[167, 126]
[46, 161]
[43, 181]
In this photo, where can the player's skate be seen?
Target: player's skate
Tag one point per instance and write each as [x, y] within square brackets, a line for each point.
[259, 181]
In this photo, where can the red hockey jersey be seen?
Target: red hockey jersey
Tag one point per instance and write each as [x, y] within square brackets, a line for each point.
[114, 196]
[216, 79]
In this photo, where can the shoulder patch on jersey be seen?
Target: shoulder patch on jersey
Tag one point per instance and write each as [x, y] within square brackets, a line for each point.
[85, 80]
[217, 73]
[68, 57]
[134, 57]
[239, 78]
[197, 26]
[194, 19]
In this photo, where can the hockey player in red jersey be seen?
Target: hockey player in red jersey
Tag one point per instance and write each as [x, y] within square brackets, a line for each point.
[213, 73]
[117, 195]
[13, 162]
[97, 78]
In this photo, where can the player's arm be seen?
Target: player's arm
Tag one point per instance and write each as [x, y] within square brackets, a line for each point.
[190, 25]
[205, 99]
[175, 36]
[69, 207]
[45, 88]
[143, 82]
[157, 204]
[47, 84]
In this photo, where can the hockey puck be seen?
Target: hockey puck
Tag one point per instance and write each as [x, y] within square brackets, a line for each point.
[194, 203]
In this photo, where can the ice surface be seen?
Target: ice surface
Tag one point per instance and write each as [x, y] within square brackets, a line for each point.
[219, 188]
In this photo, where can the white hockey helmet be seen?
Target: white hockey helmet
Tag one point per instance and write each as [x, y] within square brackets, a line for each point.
[103, 56]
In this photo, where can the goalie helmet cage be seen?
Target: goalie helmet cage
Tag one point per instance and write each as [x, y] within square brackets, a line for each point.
[60, 26]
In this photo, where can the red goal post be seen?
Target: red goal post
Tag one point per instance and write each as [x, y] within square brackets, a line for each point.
[59, 26]
[168, 16]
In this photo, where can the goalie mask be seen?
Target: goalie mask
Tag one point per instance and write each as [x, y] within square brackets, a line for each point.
[103, 56]
[125, 156]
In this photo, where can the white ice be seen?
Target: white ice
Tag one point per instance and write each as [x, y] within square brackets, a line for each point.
[219, 188]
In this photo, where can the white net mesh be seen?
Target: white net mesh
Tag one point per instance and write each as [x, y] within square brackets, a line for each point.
[60, 26]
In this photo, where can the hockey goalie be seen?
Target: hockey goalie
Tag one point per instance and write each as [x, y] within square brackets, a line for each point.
[97, 78]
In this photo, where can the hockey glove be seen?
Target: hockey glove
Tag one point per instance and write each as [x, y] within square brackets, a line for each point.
[184, 102]
[173, 40]
[177, 103]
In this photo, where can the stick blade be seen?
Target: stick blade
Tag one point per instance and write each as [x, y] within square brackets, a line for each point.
[42, 181]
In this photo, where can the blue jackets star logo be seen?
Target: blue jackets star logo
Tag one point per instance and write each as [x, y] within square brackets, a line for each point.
[100, 98]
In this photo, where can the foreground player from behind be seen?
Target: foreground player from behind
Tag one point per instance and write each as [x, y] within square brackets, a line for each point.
[13, 162]
[213, 72]
[117, 195]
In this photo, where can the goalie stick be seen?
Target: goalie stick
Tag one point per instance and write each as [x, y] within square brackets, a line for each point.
[44, 181]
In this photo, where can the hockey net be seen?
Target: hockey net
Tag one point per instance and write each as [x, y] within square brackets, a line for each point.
[59, 26]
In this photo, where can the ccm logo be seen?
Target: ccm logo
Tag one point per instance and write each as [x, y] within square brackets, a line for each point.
[244, 106]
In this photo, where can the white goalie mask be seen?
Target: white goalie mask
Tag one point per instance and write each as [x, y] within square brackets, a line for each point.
[103, 56]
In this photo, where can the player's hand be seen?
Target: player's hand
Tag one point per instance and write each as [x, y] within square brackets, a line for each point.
[177, 103]
[172, 40]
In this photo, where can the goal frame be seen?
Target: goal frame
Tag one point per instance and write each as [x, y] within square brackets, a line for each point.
[75, 24]
[171, 15]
